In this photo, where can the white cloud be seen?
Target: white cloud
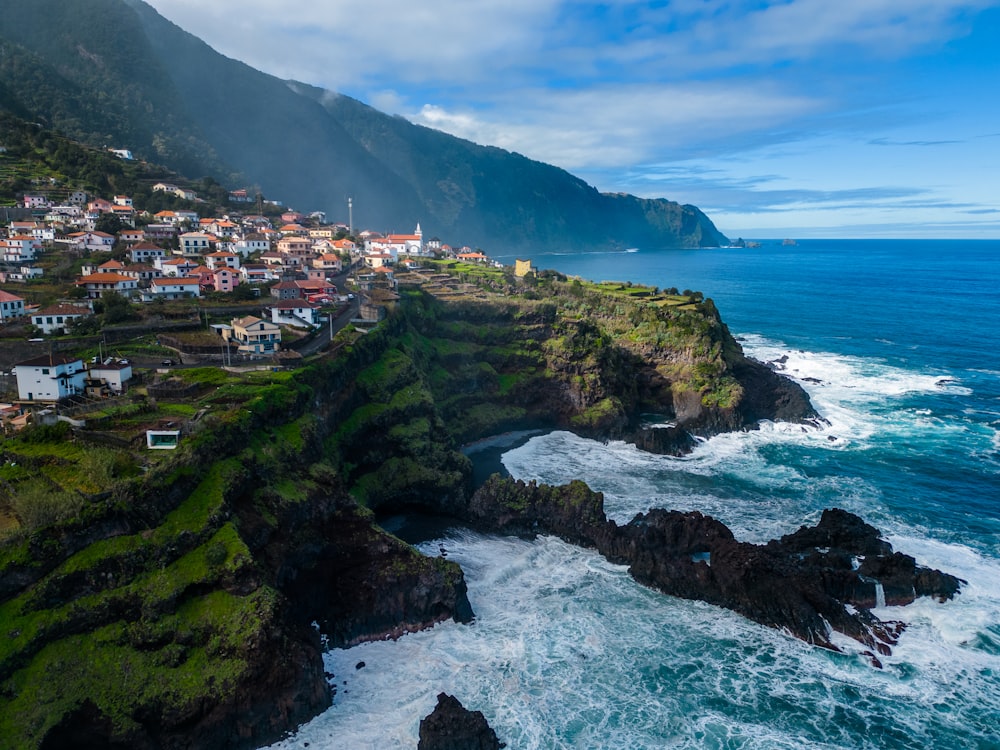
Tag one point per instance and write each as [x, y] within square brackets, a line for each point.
[360, 43]
[619, 126]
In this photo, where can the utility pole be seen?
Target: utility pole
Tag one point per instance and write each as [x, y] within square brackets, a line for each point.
[350, 217]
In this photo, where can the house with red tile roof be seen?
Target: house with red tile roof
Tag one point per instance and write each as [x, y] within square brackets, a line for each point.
[225, 279]
[11, 307]
[174, 288]
[328, 263]
[142, 273]
[97, 284]
[131, 236]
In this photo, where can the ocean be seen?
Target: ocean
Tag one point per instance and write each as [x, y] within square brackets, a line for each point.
[896, 343]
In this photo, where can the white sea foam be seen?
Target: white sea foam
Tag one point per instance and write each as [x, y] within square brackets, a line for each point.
[728, 477]
[568, 651]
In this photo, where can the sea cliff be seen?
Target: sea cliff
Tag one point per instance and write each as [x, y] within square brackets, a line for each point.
[189, 602]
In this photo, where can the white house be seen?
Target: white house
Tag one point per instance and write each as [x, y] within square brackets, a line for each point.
[25, 273]
[298, 313]
[222, 260]
[58, 318]
[175, 288]
[254, 243]
[92, 240]
[396, 244]
[165, 187]
[221, 227]
[257, 274]
[49, 377]
[98, 283]
[175, 266]
[146, 252]
[115, 373]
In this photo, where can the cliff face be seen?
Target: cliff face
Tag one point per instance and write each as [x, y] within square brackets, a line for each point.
[559, 352]
[177, 605]
[197, 632]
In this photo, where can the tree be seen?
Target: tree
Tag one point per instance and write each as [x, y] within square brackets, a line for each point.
[108, 223]
[116, 308]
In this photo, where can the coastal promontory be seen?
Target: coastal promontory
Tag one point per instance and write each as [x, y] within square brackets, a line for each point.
[151, 599]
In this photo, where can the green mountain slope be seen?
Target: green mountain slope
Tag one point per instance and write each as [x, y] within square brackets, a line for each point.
[114, 72]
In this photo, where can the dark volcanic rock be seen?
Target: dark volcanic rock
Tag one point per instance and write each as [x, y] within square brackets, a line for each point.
[815, 581]
[664, 441]
[360, 583]
[451, 726]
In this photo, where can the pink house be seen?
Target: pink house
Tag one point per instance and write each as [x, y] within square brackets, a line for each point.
[225, 279]
[36, 201]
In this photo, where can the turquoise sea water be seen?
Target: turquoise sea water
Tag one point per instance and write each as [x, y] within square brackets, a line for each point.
[896, 342]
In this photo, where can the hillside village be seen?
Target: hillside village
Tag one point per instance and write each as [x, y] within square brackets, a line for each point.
[298, 274]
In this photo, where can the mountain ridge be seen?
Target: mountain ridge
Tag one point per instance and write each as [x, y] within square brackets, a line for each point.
[189, 107]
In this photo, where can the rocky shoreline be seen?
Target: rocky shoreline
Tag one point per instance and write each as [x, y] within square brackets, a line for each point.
[819, 580]
[231, 571]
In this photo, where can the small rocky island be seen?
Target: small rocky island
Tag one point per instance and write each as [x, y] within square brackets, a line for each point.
[189, 603]
[451, 726]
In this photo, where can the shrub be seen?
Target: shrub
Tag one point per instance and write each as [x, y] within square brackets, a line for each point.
[37, 505]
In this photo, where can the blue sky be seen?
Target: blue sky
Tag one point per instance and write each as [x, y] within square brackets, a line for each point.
[804, 118]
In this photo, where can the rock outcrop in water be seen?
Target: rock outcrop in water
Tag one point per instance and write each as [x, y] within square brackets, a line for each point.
[451, 726]
[813, 582]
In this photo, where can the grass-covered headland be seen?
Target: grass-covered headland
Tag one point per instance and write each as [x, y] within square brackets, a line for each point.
[153, 598]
